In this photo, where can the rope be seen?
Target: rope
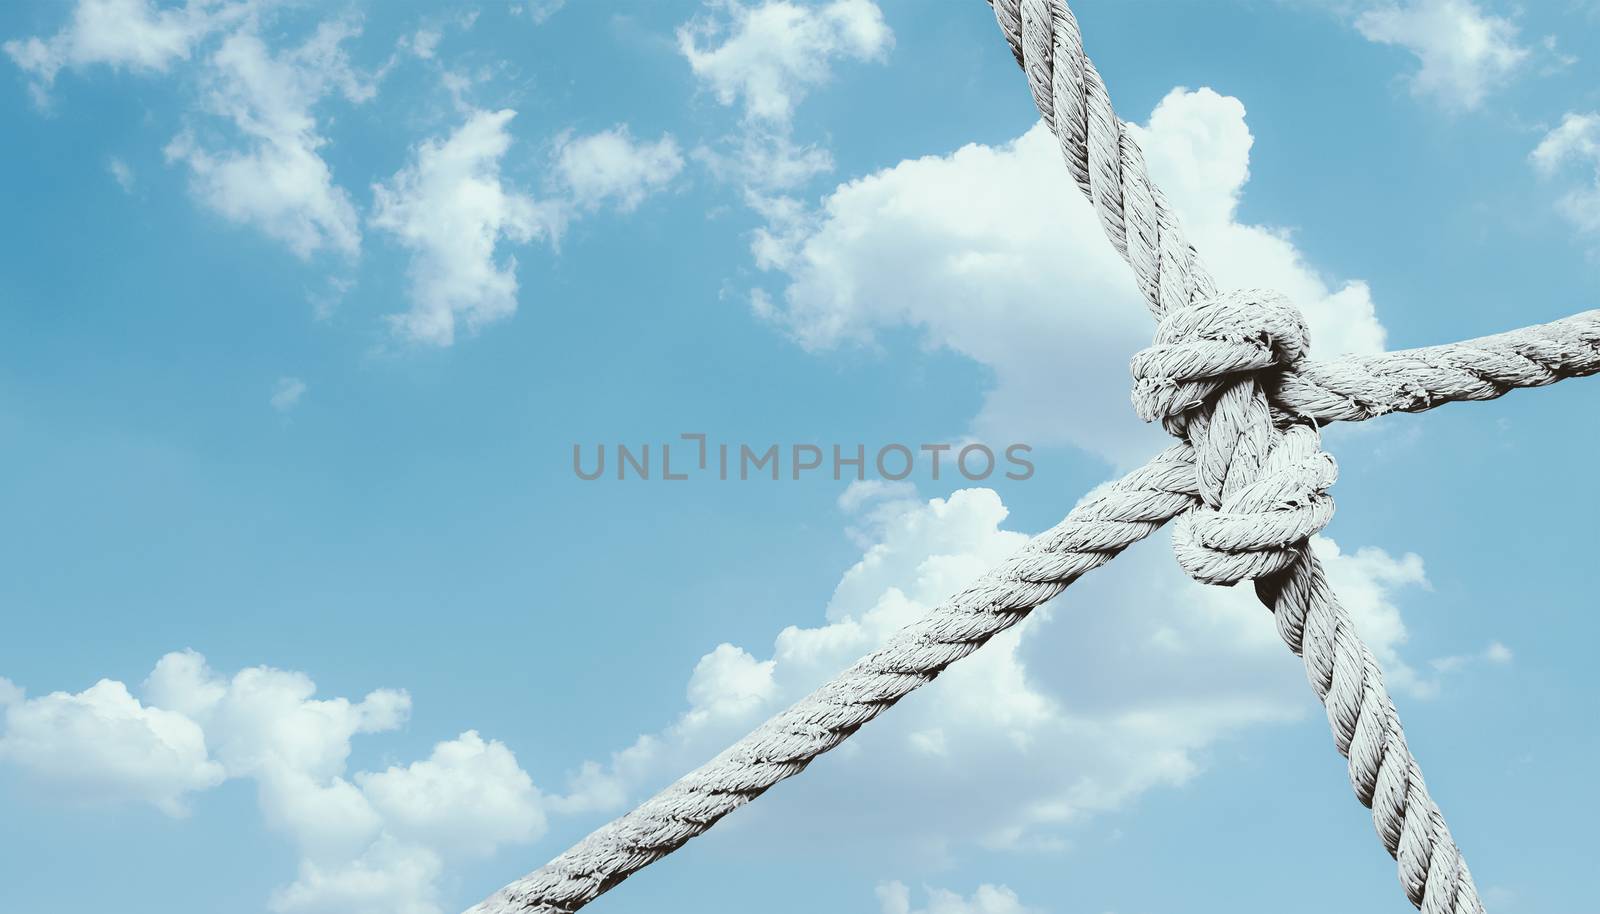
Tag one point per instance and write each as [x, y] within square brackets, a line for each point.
[1354, 388]
[1366, 730]
[1263, 489]
[1103, 158]
[1228, 376]
[1105, 523]
[1264, 493]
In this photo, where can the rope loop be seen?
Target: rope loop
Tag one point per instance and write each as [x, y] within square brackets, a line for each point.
[1197, 347]
[1263, 489]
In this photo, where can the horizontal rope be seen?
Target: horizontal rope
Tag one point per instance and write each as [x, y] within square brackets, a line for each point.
[1353, 388]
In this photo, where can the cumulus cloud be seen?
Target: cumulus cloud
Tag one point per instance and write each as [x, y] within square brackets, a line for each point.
[388, 878]
[103, 743]
[991, 252]
[611, 167]
[468, 794]
[275, 179]
[369, 843]
[451, 209]
[1573, 147]
[765, 59]
[1464, 52]
[1082, 717]
[895, 898]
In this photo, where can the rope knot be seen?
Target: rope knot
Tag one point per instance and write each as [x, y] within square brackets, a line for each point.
[1264, 490]
[1199, 348]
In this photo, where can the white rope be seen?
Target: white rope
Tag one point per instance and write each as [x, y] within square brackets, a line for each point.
[1228, 375]
[1353, 388]
[1264, 489]
[1105, 523]
[1264, 493]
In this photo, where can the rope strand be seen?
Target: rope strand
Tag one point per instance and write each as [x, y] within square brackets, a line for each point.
[1105, 523]
[1354, 388]
[1264, 489]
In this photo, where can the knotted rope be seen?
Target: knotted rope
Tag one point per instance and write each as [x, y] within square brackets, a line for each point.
[1228, 374]
[1264, 489]
[1264, 493]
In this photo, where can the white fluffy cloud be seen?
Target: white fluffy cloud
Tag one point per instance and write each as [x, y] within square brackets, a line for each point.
[895, 898]
[469, 794]
[451, 208]
[371, 843]
[611, 167]
[1574, 146]
[765, 58]
[275, 180]
[991, 252]
[131, 34]
[258, 163]
[105, 744]
[1464, 52]
[772, 54]
[1081, 715]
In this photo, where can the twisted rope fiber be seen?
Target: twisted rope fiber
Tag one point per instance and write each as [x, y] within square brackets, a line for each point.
[1264, 490]
[1107, 521]
[1257, 493]
[1354, 388]
[1264, 493]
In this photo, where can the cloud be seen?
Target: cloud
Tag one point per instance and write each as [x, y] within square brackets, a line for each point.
[610, 167]
[125, 34]
[895, 898]
[451, 209]
[369, 843]
[539, 11]
[1574, 146]
[991, 252]
[275, 180]
[765, 59]
[1130, 694]
[1465, 53]
[258, 164]
[286, 394]
[772, 54]
[388, 878]
[469, 794]
[121, 173]
[102, 743]
[1496, 654]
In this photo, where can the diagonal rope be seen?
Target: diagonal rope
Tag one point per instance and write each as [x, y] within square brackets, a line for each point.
[1105, 523]
[1366, 730]
[1102, 156]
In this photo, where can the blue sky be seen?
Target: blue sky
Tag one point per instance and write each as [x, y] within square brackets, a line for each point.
[306, 305]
